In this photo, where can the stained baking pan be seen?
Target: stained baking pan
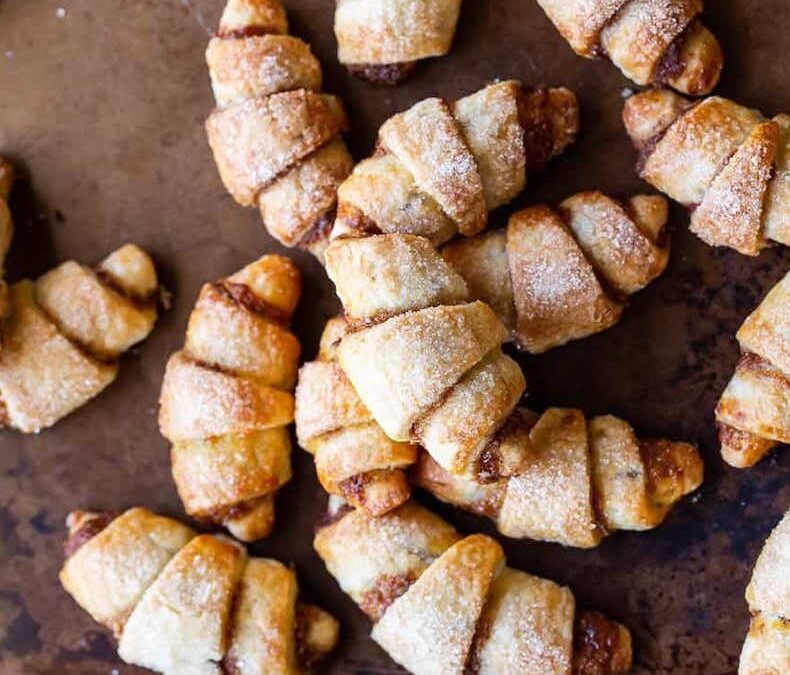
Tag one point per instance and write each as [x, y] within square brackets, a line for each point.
[101, 108]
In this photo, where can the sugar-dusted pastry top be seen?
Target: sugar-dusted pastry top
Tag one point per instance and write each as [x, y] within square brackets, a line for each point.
[275, 136]
[725, 161]
[447, 605]
[766, 650]
[556, 275]
[753, 414]
[354, 458]
[659, 42]
[440, 167]
[426, 363]
[65, 332]
[226, 398]
[584, 479]
[382, 40]
[179, 602]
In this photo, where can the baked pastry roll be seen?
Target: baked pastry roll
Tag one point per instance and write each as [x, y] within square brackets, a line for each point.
[65, 332]
[226, 399]
[753, 414]
[584, 479]
[181, 603]
[440, 167]
[382, 40]
[559, 275]
[727, 163]
[275, 137]
[659, 42]
[354, 458]
[447, 605]
[767, 647]
[426, 363]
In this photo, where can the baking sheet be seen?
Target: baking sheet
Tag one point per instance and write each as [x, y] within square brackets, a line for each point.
[101, 107]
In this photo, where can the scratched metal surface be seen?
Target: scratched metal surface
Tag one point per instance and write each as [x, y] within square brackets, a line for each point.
[102, 109]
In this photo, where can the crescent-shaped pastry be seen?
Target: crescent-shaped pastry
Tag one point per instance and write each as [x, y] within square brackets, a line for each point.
[382, 40]
[440, 167]
[753, 414]
[767, 647]
[66, 331]
[180, 603]
[584, 479]
[553, 276]
[447, 605]
[658, 42]
[728, 163]
[426, 363]
[354, 458]
[275, 137]
[226, 399]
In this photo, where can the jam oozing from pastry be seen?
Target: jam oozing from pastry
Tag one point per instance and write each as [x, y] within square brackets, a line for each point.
[388, 589]
[87, 530]
[536, 126]
[383, 73]
[332, 516]
[108, 281]
[671, 64]
[595, 643]
[319, 231]
[246, 32]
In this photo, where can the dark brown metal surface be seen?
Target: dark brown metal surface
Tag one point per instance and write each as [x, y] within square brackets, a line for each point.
[101, 107]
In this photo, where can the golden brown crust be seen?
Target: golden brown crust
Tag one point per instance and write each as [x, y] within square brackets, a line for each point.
[226, 398]
[372, 34]
[275, 138]
[429, 370]
[181, 603]
[767, 647]
[443, 604]
[557, 295]
[66, 331]
[440, 167]
[600, 646]
[354, 458]
[541, 275]
[724, 160]
[753, 414]
[609, 479]
[650, 42]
